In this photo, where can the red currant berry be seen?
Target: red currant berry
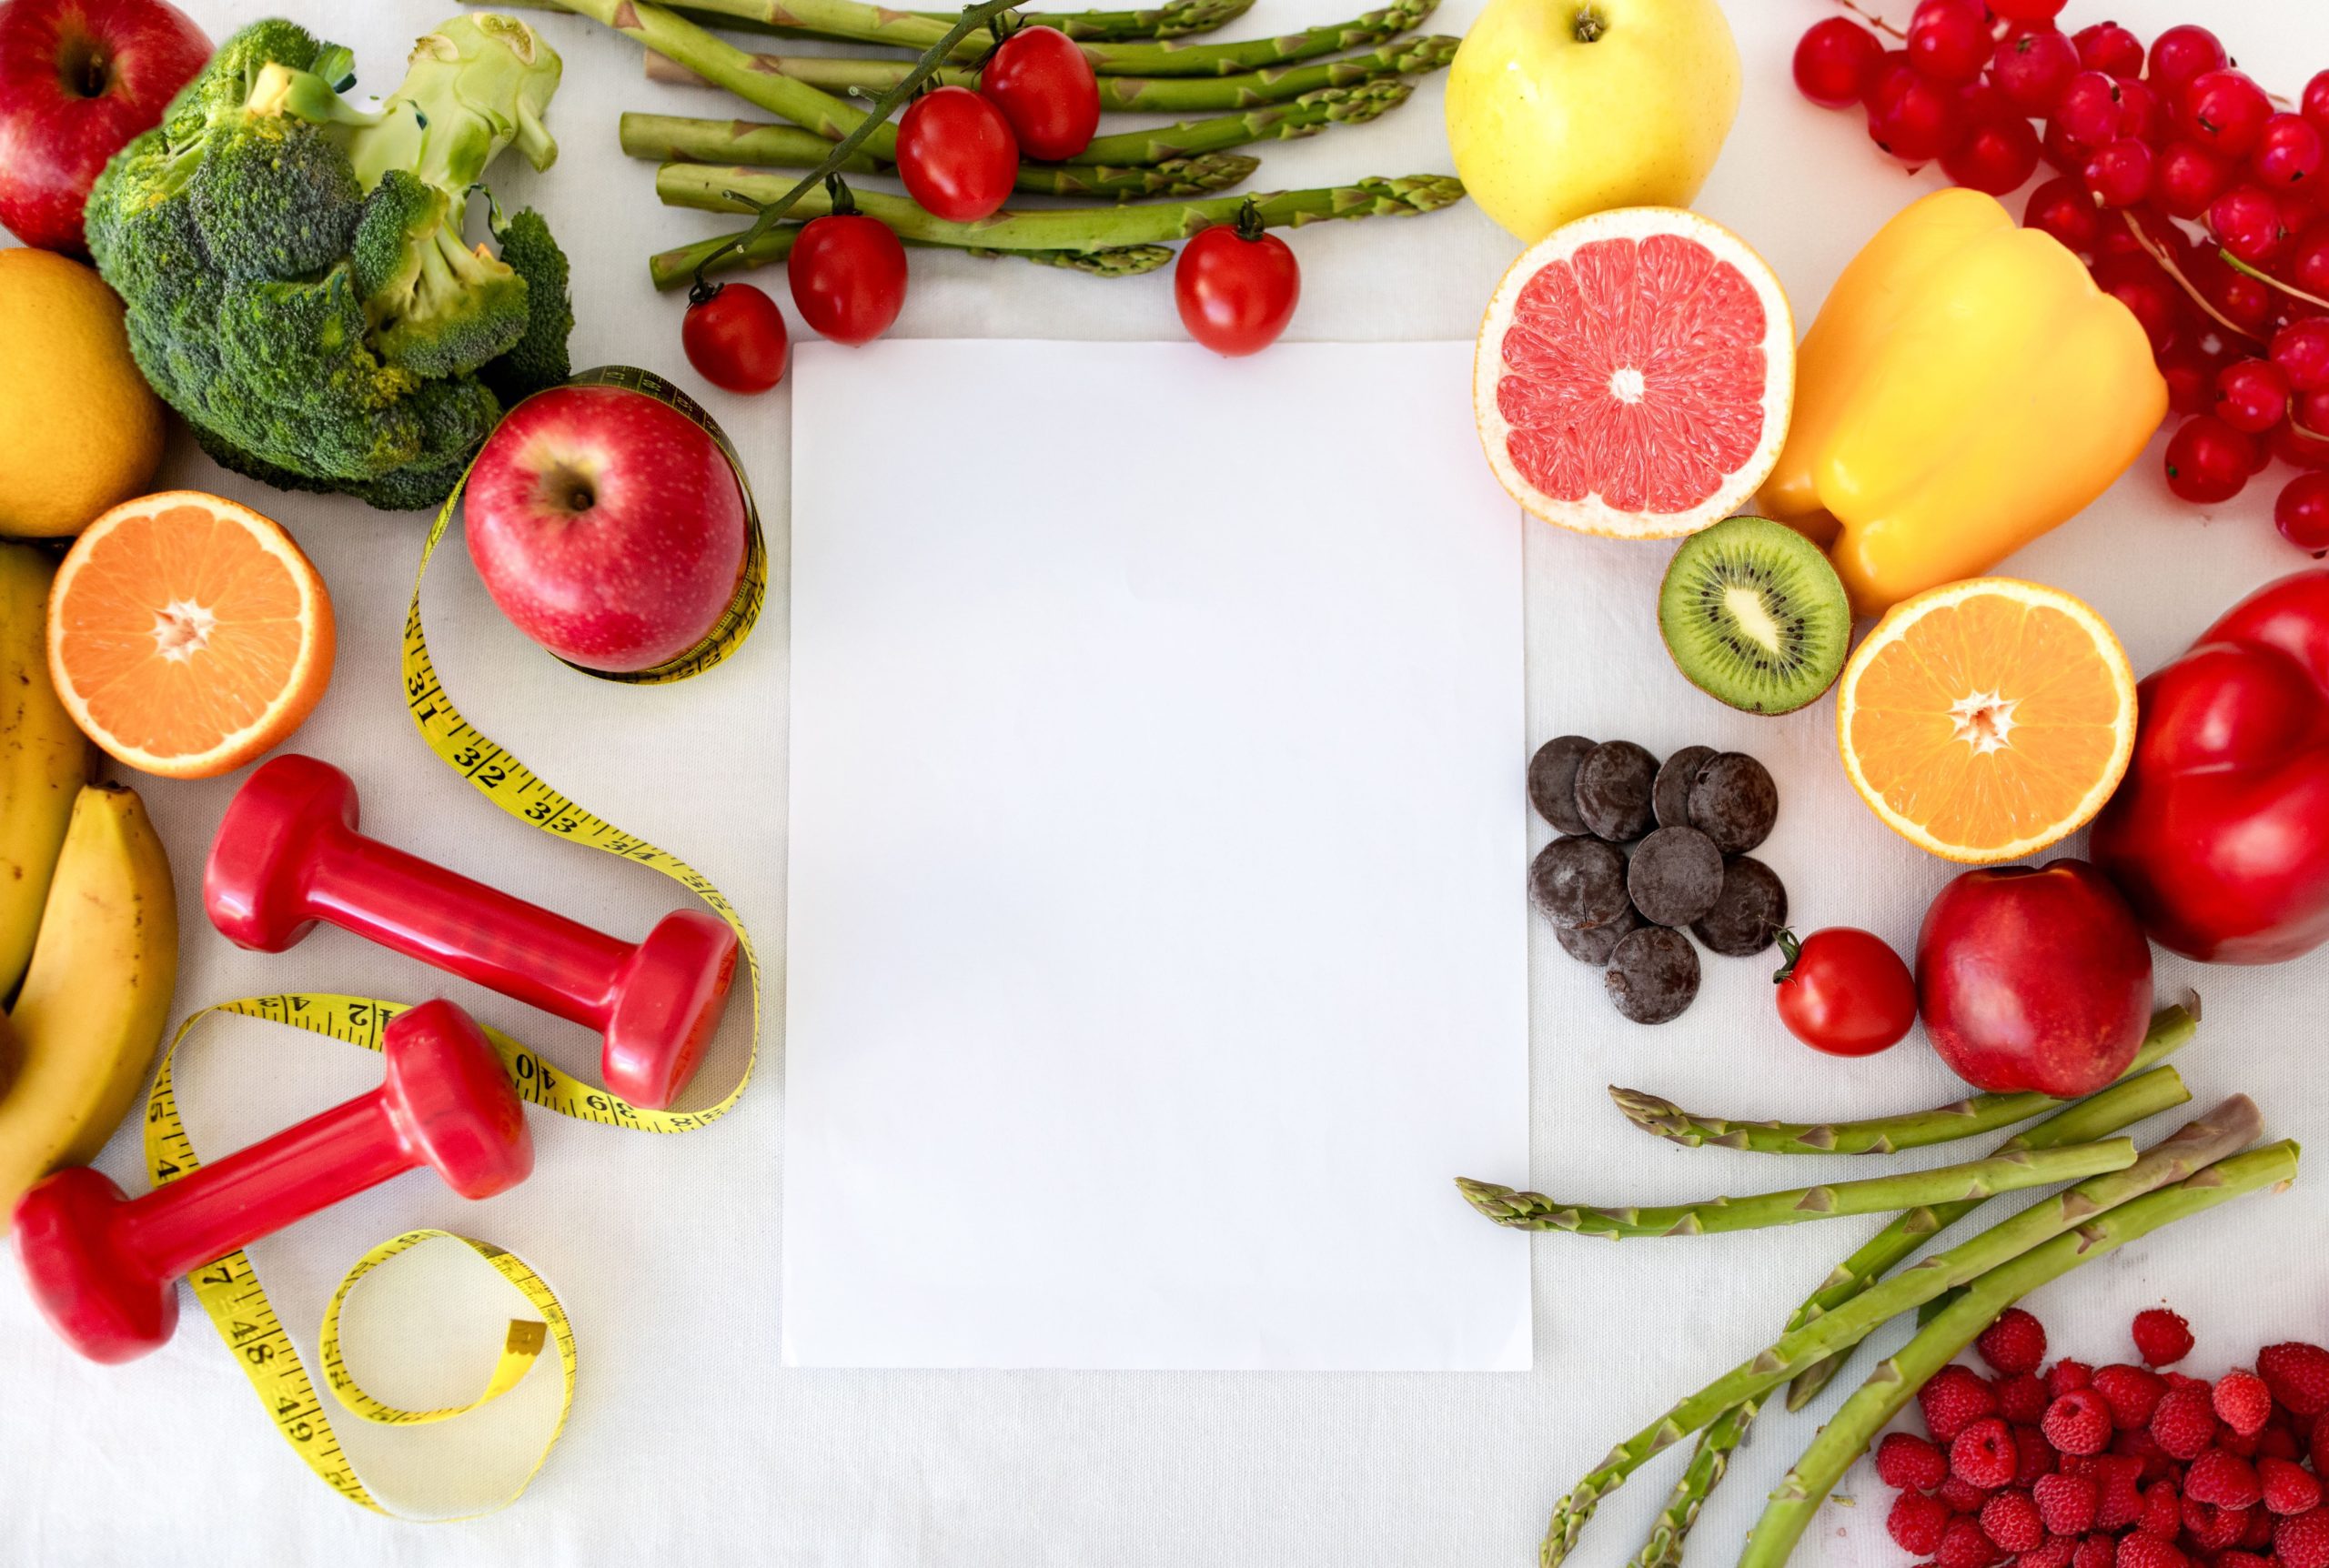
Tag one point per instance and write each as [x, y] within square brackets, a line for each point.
[2252, 395]
[2088, 113]
[2247, 222]
[2302, 351]
[2062, 208]
[2308, 263]
[1948, 40]
[2208, 461]
[2224, 111]
[2106, 47]
[2184, 179]
[2031, 71]
[2314, 105]
[2297, 449]
[2301, 513]
[2180, 53]
[2157, 304]
[2140, 114]
[1834, 61]
[1913, 118]
[2120, 173]
[2027, 11]
[2310, 410]
[2191, 376]
[1997, 155]
[2288, 151]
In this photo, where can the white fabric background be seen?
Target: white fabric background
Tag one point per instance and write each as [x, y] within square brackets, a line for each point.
[688, 1444]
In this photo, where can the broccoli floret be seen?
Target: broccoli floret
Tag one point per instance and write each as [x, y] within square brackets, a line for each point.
[297, 278]
[539, 359]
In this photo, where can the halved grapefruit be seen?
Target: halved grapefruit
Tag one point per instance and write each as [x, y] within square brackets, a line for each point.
[1634, 374]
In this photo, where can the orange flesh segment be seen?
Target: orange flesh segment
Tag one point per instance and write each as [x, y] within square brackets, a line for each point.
[179, 577]
[1918, 730]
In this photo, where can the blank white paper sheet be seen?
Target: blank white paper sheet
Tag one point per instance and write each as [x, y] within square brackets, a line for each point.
[1157, 936]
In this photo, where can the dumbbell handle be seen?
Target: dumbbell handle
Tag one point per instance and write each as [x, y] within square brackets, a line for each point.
[425, 912]
[233, 1201]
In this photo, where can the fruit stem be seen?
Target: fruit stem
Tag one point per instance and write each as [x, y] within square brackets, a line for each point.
[1588, 23]
[2158, 254]
[1249, 222]
[2266, 278]
[1789, 952]
[1873, 20]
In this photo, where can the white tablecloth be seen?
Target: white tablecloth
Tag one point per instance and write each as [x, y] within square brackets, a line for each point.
[687, 1443]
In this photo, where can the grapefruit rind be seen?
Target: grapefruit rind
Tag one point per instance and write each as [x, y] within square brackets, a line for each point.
[1896, 622]
[285, 710]
[1592, 514]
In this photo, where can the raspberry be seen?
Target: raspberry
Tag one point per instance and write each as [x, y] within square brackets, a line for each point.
[2298, 1375]
[2256, 1535]
[2162, 1338]
[2243, 1402]
[1983, 1454]
[2287, 1488]
[2033, 1456]
[2014, 1344]
[2011, 1522]
[1962, 1495]
[2144, 1549]
[2175, 1379]
[2240, 1560]
[1906, 1463]
[1955, 1399]
[2144, 1450]
[2232, 1441]
[2132, 1393]
[2054, 1551]
[2079, 1421]
[2066, 1502]
[1962, 1545]
[2065, 1375]
[1916, 1523]
[2184, 1424]
[2316, 1446]
[2301, 1540]
[2162, 1512]
[2095, 1552]
[2224, 1479]
[2122, 1502]
[2211, 1528]
[2021, 1398]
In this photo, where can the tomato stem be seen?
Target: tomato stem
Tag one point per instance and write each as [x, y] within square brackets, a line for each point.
[1791, 951]
[769, 215]
[1249, 222]
[844, 204]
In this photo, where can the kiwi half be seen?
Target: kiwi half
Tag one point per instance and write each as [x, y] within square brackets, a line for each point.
[1755, 616]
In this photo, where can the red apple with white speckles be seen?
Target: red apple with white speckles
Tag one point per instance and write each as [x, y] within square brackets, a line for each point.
[608, 526]
[79, 78]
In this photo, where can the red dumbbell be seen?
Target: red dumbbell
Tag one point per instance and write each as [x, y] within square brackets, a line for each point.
[287, 855]
[104, 1266]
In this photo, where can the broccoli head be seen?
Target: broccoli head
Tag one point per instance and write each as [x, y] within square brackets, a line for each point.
[295, 269]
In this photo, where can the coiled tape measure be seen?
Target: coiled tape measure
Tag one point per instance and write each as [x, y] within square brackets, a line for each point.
[229, 1289]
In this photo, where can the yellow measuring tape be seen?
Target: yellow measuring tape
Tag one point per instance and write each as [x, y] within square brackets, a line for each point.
[228, 1289]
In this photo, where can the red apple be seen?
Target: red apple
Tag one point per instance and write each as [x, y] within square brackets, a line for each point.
[2032, 979]
[607, 525]
[78, 79]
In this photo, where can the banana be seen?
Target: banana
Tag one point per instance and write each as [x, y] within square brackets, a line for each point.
[44, 760]
[97, 995]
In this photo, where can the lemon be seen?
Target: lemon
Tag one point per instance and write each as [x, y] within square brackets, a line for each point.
[1557, 108]
[83, 430]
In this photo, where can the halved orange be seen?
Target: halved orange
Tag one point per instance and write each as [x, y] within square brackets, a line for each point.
[1985, 720]
[188, 634]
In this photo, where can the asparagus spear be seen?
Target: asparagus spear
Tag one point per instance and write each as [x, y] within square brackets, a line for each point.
[1969, 1118]
[678, 138]
[1870, 1195]
[789, 146]
[877, 24]
[1060, 229]
[2132, 1100]
[1897, 1379]
[1129, 95]
[2231, 1127]
[1174, 19]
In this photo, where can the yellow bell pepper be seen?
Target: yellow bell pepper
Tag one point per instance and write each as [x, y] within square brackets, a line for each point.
[1965, 388]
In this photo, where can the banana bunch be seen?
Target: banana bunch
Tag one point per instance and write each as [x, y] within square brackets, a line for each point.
[88, 919]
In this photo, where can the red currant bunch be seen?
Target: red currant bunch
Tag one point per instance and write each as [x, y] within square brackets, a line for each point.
[2192, 195]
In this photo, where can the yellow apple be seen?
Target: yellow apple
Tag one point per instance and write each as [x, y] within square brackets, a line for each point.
[1557, 108]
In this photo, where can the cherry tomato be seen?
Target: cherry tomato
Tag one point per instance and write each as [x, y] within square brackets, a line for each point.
[735, 336]
[847, 273]
[1845, 992]
[1040, 79]
[956, 154]
[1237, 286]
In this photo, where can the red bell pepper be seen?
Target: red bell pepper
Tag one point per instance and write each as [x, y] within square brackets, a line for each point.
[2220, 835]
